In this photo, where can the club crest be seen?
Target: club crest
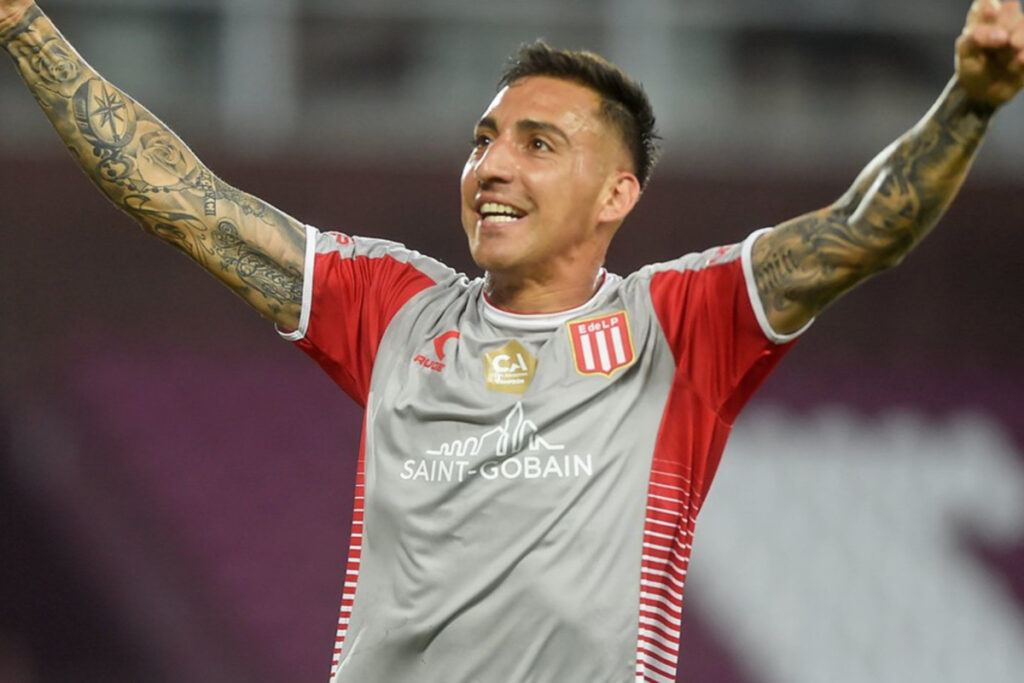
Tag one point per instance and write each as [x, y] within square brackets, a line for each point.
[602, 345]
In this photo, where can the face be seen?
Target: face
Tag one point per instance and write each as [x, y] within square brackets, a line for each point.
[538, 183]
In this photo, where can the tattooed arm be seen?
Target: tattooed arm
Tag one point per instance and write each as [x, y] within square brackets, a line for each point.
[149, 173]
[805, 264]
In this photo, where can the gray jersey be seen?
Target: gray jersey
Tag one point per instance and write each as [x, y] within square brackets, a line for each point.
[527, 484]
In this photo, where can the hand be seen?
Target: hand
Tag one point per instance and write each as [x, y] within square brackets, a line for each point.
[990, 53]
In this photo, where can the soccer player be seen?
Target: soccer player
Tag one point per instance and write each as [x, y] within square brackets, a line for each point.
[537, 442]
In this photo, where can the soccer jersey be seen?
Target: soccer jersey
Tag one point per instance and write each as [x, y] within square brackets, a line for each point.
[527, 485]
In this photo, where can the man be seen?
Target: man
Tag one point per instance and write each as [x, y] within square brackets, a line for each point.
[538, 442]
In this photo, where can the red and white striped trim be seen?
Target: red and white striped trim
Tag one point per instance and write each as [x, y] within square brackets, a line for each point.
[668, 538]
[355, 551]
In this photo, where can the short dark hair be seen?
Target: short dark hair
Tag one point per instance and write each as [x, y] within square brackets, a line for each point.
[623, 100]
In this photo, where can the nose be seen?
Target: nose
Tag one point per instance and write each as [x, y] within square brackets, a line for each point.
[495, 163]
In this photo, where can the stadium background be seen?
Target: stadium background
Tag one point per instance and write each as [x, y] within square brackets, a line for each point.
[175, 482]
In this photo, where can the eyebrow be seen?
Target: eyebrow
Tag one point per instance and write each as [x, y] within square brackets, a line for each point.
[527, 126]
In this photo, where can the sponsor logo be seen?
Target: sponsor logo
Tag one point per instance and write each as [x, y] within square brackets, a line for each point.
[512, 450]
[514, 434]
[436, 365]
[342, 239]
[602, 345]
[509, 369]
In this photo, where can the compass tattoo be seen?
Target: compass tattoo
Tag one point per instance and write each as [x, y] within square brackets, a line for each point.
[105, 112]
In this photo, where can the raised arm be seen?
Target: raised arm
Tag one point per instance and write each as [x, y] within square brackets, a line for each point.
[150, 174]
[805, 264]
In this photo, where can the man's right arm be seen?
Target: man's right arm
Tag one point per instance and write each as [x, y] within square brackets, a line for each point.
[150, 174]
[803, 265]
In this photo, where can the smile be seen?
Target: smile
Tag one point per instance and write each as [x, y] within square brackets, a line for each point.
[495, 212]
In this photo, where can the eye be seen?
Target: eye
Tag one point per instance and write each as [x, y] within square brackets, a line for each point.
[539, 145]
[481, 140]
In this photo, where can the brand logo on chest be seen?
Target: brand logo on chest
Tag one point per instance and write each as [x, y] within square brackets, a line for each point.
[602, 345]
[509, 369]
[513, 450]
[437, 365]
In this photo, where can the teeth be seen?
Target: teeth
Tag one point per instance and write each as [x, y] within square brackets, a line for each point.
[494, 209]
[500, 219]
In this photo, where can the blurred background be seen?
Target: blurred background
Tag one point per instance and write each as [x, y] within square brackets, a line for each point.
[175, 482]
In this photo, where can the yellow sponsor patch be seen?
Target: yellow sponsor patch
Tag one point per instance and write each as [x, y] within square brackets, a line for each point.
[509, 369]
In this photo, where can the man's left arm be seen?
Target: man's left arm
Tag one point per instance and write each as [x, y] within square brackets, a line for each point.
[805, 264]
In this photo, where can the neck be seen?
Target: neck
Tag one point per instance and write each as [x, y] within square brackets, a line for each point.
[530, 295]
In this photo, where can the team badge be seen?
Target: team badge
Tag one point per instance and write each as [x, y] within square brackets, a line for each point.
[600, 346]
[509, 369]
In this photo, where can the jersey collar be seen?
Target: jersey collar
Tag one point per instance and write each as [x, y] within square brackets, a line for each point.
[537, 322]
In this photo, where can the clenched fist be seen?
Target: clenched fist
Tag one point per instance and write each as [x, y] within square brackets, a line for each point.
[990, 52]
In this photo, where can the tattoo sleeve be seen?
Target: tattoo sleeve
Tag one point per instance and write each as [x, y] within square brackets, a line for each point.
[805, 264]
[149, 173]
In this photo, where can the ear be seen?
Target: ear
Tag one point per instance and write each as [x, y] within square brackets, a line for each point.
[621, 196]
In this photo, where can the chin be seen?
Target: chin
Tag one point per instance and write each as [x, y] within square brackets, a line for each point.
[496, 261]
[490, 253]
[489, 263]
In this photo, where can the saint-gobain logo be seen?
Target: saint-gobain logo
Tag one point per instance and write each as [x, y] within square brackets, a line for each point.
[514, 434]
[514, 450]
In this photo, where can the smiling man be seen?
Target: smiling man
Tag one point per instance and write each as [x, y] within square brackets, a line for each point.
[551, 177]
[538, 442]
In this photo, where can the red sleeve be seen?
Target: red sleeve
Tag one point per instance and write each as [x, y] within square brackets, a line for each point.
[712, 318]
[353, 288]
